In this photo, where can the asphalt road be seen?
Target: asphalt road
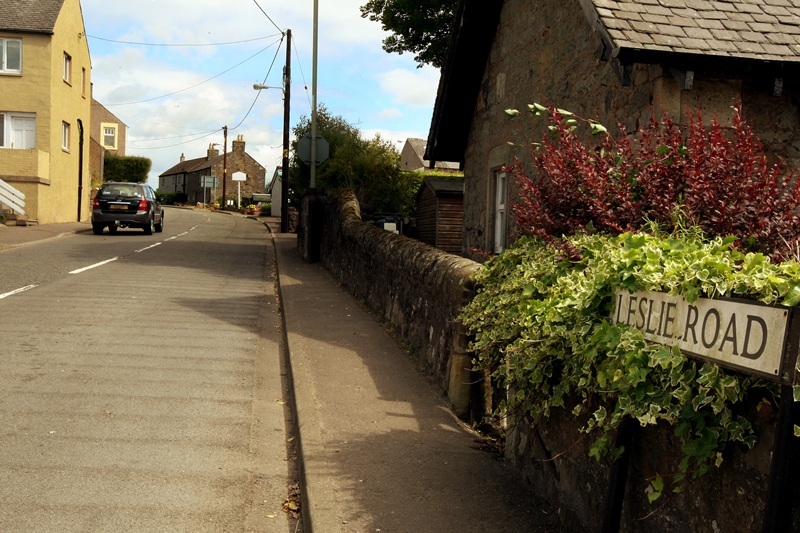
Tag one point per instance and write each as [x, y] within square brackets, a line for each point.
[141, 384]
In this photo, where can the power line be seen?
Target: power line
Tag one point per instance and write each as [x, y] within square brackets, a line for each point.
[268, 17]
[258, 93]
[207, 134]
[195, 85]
[199, 45]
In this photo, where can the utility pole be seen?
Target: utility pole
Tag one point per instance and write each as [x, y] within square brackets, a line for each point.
[287, 79]
[224, 167]
[314, 96]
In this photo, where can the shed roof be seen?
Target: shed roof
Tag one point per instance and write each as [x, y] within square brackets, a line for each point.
[30, 16]
[445, 186]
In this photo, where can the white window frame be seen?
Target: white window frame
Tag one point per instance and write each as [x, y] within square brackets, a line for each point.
[109, 126]
[67, 68]
[17, 125]
[65, 136]
[500, 210]
[4, 53]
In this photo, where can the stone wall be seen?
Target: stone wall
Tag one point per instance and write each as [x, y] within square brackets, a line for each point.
[414, 287]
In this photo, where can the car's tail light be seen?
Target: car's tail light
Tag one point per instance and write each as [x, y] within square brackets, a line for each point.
[142, 206]
[95, 203]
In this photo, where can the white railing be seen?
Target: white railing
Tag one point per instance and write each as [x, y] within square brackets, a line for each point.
[12, 198]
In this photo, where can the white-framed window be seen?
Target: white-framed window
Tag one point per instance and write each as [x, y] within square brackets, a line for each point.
[500, 210]
[17, 130]
[10, 56]
[65, 131]
[67, 68]
[109, 132]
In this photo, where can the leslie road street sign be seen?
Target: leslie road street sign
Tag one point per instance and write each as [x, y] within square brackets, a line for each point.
[749, 337]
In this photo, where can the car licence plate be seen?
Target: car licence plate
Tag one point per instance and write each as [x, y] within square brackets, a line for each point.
[118, 207]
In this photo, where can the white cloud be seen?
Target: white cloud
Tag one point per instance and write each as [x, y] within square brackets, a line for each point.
[415, 87]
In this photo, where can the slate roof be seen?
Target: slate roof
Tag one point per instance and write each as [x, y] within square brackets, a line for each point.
[766, 30]
[29, 16]
[192, 165]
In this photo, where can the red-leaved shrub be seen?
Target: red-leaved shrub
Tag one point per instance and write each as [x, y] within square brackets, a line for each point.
[720, 178]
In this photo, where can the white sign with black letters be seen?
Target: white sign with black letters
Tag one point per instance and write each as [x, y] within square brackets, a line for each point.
[732, 332]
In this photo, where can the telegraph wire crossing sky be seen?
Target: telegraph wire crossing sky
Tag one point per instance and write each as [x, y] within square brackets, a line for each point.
[175, 80]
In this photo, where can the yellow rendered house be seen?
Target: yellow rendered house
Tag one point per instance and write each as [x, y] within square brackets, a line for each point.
[45, 105]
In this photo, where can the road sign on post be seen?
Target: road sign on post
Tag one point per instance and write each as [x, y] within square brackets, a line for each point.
[304, 149]
[208, 182]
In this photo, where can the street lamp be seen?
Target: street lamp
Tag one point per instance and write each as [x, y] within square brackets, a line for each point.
[287, 78]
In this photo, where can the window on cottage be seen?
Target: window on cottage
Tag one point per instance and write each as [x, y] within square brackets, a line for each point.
[83, 82]
[500, 211]
[65, 136]
[17, 130]
[109, 136]
[10, 56]
[67, 68]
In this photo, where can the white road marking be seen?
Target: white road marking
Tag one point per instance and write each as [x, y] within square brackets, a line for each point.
[148, 247]
[101, 263]
[12, 293]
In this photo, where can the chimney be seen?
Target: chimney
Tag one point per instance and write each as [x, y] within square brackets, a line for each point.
[183, 158]
[212, 152]
[238, 148]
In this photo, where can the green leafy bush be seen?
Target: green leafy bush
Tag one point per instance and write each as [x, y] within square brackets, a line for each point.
[541, 325]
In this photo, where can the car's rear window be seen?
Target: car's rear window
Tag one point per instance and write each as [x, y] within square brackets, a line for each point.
[120, 190]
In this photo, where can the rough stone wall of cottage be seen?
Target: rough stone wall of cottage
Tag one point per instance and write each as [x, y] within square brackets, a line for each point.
[551, 56]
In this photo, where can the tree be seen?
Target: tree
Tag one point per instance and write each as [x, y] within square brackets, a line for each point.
[126, 168]
[369, 167]
[421, 27]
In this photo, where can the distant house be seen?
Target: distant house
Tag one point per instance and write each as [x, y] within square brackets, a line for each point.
[440, 213]
[186, 176]
[275, 188]
[108, 134]
[608, 59]
[412, 157]
[45, 108]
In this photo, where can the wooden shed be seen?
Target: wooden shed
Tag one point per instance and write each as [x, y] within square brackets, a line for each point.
[440, 213]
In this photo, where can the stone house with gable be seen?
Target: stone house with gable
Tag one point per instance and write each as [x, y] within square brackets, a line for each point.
[185, 177]
[609, 59]
[412, 158]
[616, 60]
[45, 107]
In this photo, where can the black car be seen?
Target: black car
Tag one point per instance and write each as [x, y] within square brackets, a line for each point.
[126, 205]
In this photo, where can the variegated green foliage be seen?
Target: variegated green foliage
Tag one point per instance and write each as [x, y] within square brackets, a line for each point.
[540, 325]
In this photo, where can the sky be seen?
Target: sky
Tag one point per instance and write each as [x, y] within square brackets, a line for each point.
[175, 99]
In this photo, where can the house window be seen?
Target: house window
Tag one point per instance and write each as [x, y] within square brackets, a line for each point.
[500, 211]
[83, 82]
[17, 130]
[109, 136]
[65, 136]
[10, 56]
[67, 68]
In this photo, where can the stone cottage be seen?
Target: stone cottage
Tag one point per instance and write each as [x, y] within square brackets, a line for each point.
[185, 177]
[609, 59]
[616, 60]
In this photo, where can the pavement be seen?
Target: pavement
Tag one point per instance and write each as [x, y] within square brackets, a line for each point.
[378, 447]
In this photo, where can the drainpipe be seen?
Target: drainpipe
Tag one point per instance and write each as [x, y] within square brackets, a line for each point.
[80, 167]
